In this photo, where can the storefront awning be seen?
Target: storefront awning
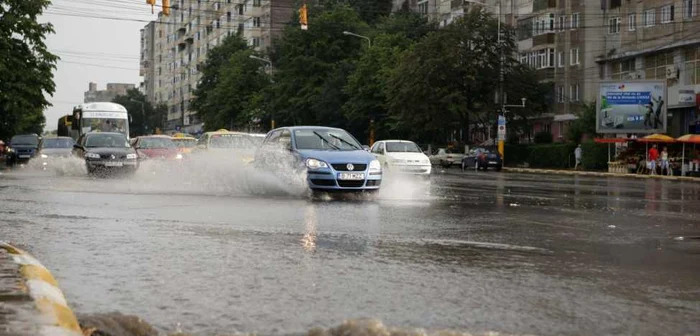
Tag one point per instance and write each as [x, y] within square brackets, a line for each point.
[565, 117]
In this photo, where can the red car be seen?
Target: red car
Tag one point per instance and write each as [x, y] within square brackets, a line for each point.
[158, 147]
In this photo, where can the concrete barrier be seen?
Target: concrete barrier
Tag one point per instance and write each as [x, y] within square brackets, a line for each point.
[37, 305]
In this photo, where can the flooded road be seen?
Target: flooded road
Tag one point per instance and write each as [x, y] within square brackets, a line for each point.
[474, 252]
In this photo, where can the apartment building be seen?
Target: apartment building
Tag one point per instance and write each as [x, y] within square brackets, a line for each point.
[656, 39]
[182, 40]
[112, 91]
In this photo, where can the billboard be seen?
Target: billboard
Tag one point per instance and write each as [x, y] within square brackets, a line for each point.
[631, 107]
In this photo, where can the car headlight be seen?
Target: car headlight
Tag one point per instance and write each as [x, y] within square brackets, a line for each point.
[315, 164]
[178, 156]
[375, 166]
[44, 156]
[10, 150]
[131, 156]
[92, 155]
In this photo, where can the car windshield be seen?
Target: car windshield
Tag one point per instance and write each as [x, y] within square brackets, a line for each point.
[325, 139]
[402, 147]
[185, 143]
[148, 143]
[58, 143]
[107, 140]
[231, 141]
[18, 140]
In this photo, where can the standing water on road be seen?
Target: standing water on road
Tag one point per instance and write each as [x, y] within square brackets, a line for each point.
[221, 248]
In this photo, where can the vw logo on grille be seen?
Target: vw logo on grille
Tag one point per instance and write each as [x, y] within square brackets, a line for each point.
[350, 167]
[113, 157]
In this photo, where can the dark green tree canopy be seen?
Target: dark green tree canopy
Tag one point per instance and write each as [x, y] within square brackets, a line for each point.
[26, 67]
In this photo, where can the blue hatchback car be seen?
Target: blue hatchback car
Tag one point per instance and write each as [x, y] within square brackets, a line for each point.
[334, 159]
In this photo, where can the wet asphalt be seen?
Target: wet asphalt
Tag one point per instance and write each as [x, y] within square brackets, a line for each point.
[471, 252]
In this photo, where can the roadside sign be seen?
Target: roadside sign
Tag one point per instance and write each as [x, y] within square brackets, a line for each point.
[501, 120]
[501, 132]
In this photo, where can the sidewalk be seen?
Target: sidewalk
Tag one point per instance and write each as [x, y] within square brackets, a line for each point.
[30, 301]
[599, 174]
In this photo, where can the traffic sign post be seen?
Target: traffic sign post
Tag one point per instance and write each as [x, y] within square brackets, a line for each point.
[501, 134]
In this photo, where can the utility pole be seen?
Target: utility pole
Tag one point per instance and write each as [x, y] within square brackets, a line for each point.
[143, 115]
[371, 119]
[272, 69]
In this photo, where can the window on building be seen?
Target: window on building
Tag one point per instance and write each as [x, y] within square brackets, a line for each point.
[623, 69]
[423, 7]
[228, 16]
[631, 22]
[560, 94]
[256, 22]
[562, 20]
[575, 21]
[560, 59]
[649, 19]
[573, 56]
[692, 66]
[614, 25]
[573, 93]
[667, 13]
[550, 23]
[525, 29]
[688, 9]
[655, 65]
[256, 3]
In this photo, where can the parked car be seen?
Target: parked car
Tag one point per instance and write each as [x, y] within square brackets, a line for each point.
[481, 158]
[446, 158]
[402, 156]
[237, 144]
[22, 148]
[333, 159]
[106, 152]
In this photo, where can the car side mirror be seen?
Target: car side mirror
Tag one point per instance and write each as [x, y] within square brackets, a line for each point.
[365, 147]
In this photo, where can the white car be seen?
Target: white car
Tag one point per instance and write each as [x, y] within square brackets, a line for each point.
[402, 156]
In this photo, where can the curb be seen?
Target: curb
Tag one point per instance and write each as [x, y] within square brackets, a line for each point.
[599, 174]
[53, 316]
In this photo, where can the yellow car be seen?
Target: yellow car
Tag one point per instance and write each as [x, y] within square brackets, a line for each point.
[238, 143]
[185, 142]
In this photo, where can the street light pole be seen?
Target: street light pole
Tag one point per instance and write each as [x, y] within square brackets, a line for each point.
[265, 60]
[371, 119]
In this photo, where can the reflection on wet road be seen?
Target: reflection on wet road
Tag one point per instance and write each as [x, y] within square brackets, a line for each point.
[505, 252]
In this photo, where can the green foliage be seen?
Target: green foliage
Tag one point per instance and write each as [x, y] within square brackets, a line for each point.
[594, 155]
[558, 156]
[544, 137]
[26, 67]
[371, 11]
[145, 118]
[231, 86]
[584, 125]
[312, 67]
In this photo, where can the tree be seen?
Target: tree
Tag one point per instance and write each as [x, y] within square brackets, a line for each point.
[449, 78]
[312, 67]
[26, 67]
[371, 11]
[584, 125]
[366, 86]
[145, 119]
[234, 101]
[216, 58]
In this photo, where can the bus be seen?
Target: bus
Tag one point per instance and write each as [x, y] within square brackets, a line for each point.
[101, 117]
[65, 125]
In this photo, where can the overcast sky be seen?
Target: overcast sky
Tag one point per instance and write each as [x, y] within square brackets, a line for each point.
[98, 41]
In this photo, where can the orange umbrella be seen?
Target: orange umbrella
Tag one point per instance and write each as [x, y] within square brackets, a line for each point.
[688, 138]
[657, 138]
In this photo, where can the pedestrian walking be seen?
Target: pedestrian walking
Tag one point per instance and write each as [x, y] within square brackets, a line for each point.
[664, 162]
[653, 157]
[578, 154]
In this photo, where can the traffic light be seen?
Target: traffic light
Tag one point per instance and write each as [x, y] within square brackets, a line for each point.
[304, 17]
[152, 3]
[166, 7]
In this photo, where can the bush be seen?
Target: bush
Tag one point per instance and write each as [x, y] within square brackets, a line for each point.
[540, 156]
[544, 138]
[595, 156]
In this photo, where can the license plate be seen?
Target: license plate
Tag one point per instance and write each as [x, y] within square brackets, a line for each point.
[24, 156]
[493, 162]
[114, 164]
[351, 176]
